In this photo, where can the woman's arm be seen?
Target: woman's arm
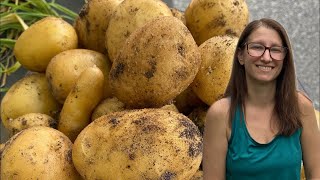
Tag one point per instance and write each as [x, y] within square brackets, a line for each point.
[310, 139]
[216, 141]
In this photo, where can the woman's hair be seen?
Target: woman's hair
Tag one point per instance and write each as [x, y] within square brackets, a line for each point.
[286, 105]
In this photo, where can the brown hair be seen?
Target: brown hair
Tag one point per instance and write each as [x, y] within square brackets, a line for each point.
[286, 105]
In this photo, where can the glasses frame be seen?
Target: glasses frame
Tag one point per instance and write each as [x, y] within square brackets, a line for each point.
[266, 48]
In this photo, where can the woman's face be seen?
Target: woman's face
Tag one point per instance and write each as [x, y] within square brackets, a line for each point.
[264, 68]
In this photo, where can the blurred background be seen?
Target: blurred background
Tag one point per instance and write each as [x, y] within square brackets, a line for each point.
[300, 19]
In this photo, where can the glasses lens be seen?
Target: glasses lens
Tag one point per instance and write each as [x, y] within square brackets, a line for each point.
[278, 53]
[257, 50]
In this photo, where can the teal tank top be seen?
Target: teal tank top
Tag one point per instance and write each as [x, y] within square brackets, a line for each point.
[249, 160]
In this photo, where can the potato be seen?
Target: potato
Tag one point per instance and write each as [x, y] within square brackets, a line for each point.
[64, 69]
[198, 116]
[77, 109]
[157, 63]
[107, 106]
[170, 107]
[208, 18]
[31, 94]
[179, 14]
[129, 16]
[197, 176]
[187, 100]
[92, 23]
[44, 39]
[30, 120]
[38, 153]
[138, 144]
[214, 74]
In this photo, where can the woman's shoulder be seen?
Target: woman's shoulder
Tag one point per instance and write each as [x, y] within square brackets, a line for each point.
[304, 101]
[220, 108]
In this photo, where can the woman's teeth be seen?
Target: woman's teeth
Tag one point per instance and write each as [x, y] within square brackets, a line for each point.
[265, 68]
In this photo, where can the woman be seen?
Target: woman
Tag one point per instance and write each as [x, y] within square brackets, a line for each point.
[263, 127]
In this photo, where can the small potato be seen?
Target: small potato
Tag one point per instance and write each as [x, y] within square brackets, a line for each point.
[215, 70]
[77, 109]
[129, 16]
[179, 14]
[31, 94]
[139, 144]
[30, 120]
[44, 39]
[198, 116]
[107, 106]
[65, 68]
[208, 18]
[92, 23]
[187, 100]
[38, 153]
[197, 176]
[170, 107]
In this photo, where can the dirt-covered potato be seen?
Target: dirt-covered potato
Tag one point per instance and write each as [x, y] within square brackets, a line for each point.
[214, 73]
[38, 153]
[170, 107]
[31, 94]
[187, 100]
[197, 176]
[198, 116]
[64, 69]
[139, 144]
[83, 98]
[157, 62]
[129, 16]
[92, 23]
[179, 14]
[30, 120]
[44, 39]
[107, 106]
[208, 18]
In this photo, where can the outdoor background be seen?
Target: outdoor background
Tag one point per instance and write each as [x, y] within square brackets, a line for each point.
[300, 19]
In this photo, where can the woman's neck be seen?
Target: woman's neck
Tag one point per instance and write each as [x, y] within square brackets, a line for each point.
[261, 94]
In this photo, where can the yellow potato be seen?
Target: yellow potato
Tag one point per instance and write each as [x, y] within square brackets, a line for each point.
[198, 116]
[187, 100]
[170, 107]
[107, 106]
[92, 23]
[38, 153]
[31, 94]
[179, 14]
[42, 41]
[215, 70]
[30, 120]
[208, 18]
[65, 68]
[129, 16]
[85, 95]
[139, 144]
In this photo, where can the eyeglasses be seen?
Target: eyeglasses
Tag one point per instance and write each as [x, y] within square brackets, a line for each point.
[257, 50]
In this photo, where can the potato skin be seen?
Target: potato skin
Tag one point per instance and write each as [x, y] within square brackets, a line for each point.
[214, 73]
[138, 144]
[30, 120]
[157, 62]
[38, 153]
[49, 37]
[107, 106]
[77, 109]
[92, 23]
[31, 94]
[208, 18]
[129, 16]
[64, 69]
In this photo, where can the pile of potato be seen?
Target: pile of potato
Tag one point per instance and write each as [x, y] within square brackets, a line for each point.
[128, 83]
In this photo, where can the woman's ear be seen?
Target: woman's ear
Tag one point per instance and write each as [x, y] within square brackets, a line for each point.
[240, 56]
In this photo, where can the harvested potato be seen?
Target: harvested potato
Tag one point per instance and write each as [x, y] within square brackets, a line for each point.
[83, 98]
[107, 106]
[170, 107]
[157, 62]
[208, 18]
[38, 153]
[92, 23]
[139, 144]
[214, 74]
[31, 94]
[187, 101]
[65, 68]
[30, 120]
[179, 14]
[197, 176]
[129, 16]
[198, 116]
[44, 39]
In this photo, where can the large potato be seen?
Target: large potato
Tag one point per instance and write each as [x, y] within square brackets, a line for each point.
[129, 16]
[84, 96]
[208, 18]
[139, 144]
[38, 153]
[92, 23]
[157, 62]
[65, 68]
[30, 120]
[44, 39]
[31, 94]
[214, 73]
